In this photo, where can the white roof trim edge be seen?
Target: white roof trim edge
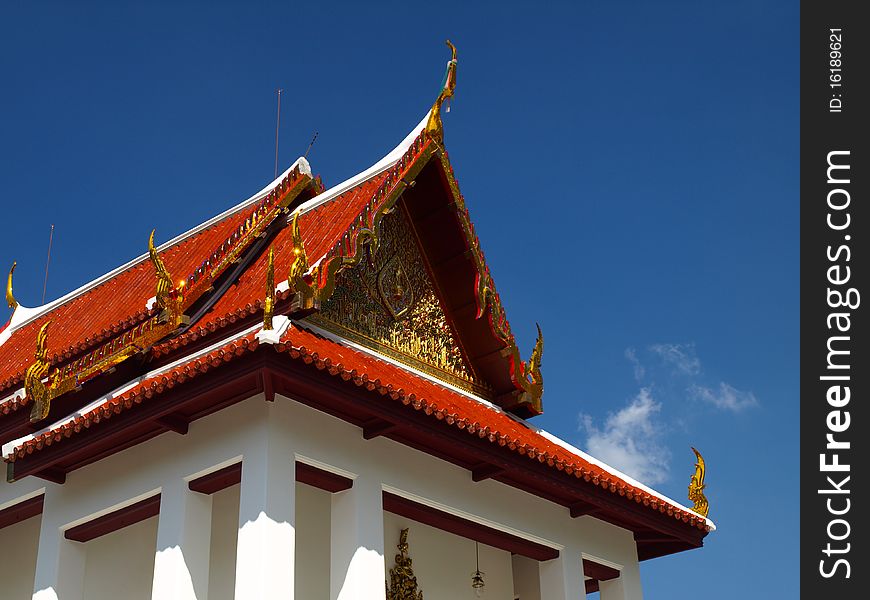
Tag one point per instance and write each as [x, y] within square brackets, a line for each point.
[385, 163]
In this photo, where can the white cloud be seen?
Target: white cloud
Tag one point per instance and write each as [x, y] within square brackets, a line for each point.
[725, 398]
[681, 356]
[639, 370]
[629, 440]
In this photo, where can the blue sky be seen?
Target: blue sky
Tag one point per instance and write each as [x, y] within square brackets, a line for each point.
[631, 168]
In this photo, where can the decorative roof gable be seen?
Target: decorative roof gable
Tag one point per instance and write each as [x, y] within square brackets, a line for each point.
[389, 303]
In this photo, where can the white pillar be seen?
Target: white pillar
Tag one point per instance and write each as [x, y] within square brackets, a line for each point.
[625, 587]
[183, 544]
[60, 563]
[357, 543]
[562, 577]
[265, 554]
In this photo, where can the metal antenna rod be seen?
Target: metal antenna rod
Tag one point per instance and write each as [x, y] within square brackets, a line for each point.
[309, 145]
[277, 127]
[47, 261]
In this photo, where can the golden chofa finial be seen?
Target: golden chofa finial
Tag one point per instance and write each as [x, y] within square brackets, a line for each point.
[434, 127]
[533, 368]
[299, 268]
[33, 385]
[307, 293]
[164, 280]
[269, 304]
[10, 299]
[696, 487]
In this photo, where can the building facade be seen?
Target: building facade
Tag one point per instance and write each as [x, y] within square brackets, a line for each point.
[316, 394]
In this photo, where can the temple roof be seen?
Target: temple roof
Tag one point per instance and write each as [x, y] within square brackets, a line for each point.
[134, 345]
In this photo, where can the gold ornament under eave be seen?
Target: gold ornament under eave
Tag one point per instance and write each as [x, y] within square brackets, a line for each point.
[403, 582]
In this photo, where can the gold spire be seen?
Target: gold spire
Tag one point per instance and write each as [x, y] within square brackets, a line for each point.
[33, 386]
[696, 487]
[164, 280]
[434, 127]
[269, 305]
[10, 299]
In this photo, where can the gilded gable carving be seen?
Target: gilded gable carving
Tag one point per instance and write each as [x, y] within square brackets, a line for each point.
[388, 303]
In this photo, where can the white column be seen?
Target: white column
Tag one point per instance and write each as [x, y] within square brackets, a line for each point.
[183, 544]
[60, 563]
[357, 543]
[562, 577]
[625, 587]
[265, 559]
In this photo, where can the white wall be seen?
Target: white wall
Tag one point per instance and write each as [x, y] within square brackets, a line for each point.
[228, 435]
[312, 537]
[121, 564]
[527, 583]
[19, 543]
[312, 543]
[224, 534]
[443, 562]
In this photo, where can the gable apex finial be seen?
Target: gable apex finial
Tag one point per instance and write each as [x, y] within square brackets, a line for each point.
[434, 126]
[10, 298]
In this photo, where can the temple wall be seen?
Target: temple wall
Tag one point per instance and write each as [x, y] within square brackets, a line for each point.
[121, 564]
[312, 539]
[19, 543]
[443, 562]
[418, 476]
[312, 535]
[224, 533]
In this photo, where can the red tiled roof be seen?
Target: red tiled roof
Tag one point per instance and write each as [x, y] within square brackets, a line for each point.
[110, 307]
[137, 394]
[363, 370]
[320, 227]
[122, 298]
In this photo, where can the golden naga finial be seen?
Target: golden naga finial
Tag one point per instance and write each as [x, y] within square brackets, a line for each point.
[269, 305]
[434, 127]
[533, 368]
[10, 299]
[300, 261]
[164, 280]
[33, 385]
[696, 487]
[308, 292]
